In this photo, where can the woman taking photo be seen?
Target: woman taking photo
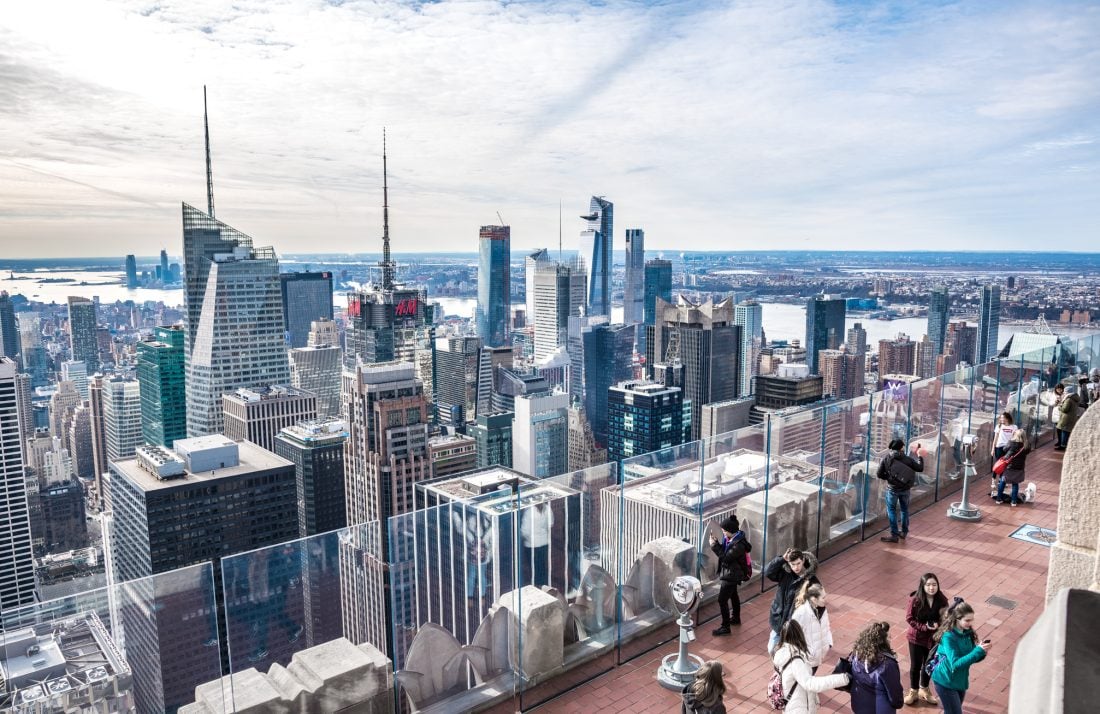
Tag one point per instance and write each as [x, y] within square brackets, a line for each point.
[958, 649]
[876, 677]
[926, 606]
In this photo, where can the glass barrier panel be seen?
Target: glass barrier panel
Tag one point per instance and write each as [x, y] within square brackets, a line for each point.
[660, 530]
[794, 483]
[955, 424]
[843, 464]
[925, 432]
[1028, 405]
[888, 420]
[149, 644]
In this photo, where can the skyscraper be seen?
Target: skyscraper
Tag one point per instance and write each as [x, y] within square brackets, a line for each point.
[165, 275]
[16, 558]
[121, 418]
[258, 415]
[857, 340]
[488, 379]
[596, 246]
[160, 376]
[540, 435]
[634, 283]
[824, 326]
[750, 317]
[705, 340]
[842, 374]
[316, 367]
[76, 372]
[9, 329]
[316, 448]
[306, 297]
[658, 284]
[897, 356]
[961, 342]
[559, 294]
[989, 321]
[644, 416]
[939, 302]
[493, 437]
[606, 357]
[456, 383]
[131, 272]
[926, 357]
[529, 265]
[494, 284]
[82, 332]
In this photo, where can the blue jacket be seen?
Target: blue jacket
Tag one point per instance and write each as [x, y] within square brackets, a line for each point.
[959, 652]
[878, 690]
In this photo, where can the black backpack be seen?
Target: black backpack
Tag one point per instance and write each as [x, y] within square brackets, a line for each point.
[899, 474]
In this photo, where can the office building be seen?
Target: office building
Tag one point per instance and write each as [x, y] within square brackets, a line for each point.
[939, 305]
[16, 558]
[634, 283]
[559, 294]
[512, 384]
[165, 274]
[750, 317]
[316, 448]
[76, 372]
[306, 297]
[80, 442]
[25, 400]
[584, 452]
[706, 341]
[494, 285]
[530, 263]
[58, 520]
[316, 369]
[63, 403]
[897, 356]
[792, 385]
[457, 362]
[121, 418]
[36, 361]
[961, 342]
[842, 374]
[824, 326]
[97, 391]
[493, 439]
[205, 500]
[540, 434]
[160, 376]
[926, 357]
[600, 355]
[131, 273]
[644, 416]
[719, 418]
[452, 454]
[658, 285]
[857, 340]
[595, 250]
[259, 414]
[989, 321]
[9, 328]
[490, 360]
[83, 338]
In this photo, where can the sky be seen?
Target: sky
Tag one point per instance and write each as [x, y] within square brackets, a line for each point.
[779, 124]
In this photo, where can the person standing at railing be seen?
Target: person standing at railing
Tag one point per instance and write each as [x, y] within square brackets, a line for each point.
[733, 569]
[1067, 406]
[1002, 437]
[899, 471]
[790, 570]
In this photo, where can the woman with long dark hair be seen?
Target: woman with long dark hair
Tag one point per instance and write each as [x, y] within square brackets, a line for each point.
[704, 695]
[798, 680]
[958, 649]
[926, 607]
[876, 676]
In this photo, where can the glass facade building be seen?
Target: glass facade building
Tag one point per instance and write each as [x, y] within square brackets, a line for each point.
[83, 336]
[596, 244]
[644, 416]
[9, 330]
[493, 438]
[634, 283]
[306, 297]
[160, 378]
[494, 285]
[824, 326]
[989, 322]
[939, 303]
[608, 359]
[658, 284]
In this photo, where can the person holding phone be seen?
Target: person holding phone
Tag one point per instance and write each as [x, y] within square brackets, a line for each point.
[899, 471]
[958, 650]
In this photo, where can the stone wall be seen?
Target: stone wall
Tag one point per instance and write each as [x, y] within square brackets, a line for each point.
[1075, 557]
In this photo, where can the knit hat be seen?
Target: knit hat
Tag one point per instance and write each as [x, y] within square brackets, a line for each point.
[730, 525]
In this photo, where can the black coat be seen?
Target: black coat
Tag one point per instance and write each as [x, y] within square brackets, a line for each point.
[733, 565]
[789, 585]
[1014, 472]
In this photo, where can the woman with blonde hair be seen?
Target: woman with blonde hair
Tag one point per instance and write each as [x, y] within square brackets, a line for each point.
[704, 695]
[810, 613]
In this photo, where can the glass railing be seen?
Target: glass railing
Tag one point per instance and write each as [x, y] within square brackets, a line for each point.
[510, 593]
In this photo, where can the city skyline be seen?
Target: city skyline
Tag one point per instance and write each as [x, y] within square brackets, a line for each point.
[926, 124]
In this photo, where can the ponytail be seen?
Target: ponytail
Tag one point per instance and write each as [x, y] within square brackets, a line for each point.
[955, 612]
[807, 591]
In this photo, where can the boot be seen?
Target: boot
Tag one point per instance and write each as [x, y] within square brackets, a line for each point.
[926, 695]
[911, 697]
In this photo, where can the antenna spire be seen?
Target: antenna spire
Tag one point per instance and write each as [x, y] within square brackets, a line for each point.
[559, 230]
[387, 264]
[209, 171]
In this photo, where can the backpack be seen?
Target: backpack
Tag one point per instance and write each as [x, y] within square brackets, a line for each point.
[933, 661]
[776, 696]
[900, 475]
[748, 566]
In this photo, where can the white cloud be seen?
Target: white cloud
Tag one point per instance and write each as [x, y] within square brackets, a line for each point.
[783, 124]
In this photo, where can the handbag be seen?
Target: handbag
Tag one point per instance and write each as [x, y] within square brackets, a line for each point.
[1003, 462]
[844, 666]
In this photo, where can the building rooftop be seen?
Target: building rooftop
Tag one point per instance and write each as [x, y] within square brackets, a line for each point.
[317, 430]
[260, 394]
[251, 458]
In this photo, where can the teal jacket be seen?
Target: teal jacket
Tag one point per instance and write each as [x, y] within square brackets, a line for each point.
[959, 652]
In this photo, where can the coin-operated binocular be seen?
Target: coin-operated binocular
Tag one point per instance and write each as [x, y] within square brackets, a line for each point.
[677, 670]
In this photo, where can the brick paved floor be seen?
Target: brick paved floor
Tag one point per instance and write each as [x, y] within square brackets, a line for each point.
[872, 581]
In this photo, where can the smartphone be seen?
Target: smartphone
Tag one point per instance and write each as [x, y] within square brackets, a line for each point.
[986, 642]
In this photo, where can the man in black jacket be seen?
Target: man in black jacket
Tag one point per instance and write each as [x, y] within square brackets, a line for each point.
[733, 569]
[899, 471]
[790, 570]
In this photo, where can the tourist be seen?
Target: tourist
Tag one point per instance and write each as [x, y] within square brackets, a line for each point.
[1067, 409]
[704, 695]
[926, 607]
[1002, 437]
[1014, 472]
[800, 686]
[790, 571]
[958, 649]
[899, 471]
[876, 676]
[733, 569]
[811, 615]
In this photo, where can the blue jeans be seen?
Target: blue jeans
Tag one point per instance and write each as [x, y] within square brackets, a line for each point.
[1001, 491]
[897, 501]
[950, 699]
[773, 642]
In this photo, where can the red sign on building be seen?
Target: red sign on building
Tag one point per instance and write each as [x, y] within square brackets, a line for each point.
[353, 307]
[405, 307]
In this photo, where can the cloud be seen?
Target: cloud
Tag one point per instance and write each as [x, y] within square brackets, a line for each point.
[722, 126]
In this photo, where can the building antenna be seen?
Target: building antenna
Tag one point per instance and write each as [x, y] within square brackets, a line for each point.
[387, 264]
[209, 171]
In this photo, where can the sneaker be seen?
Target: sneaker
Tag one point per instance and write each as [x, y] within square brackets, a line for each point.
[720, 631]
[1014, 504]
[889, 539]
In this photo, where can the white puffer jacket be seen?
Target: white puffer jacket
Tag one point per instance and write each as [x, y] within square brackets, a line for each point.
[819, 637]
[803, 699]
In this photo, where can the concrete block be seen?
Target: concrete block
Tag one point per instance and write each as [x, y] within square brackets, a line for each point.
[1079, 499]
[672, 558]
[537, 631]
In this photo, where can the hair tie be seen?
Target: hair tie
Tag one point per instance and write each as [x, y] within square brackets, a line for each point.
[955, 601]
